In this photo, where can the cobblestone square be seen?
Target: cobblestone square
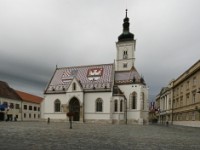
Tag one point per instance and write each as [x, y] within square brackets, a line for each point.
[58, 136]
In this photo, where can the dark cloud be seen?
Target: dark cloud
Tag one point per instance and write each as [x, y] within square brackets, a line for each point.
[37, 35]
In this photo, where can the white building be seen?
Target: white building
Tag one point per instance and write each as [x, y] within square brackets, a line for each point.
[17, 105]
[113, 93]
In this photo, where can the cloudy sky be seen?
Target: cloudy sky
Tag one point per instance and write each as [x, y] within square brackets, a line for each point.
[37, 35]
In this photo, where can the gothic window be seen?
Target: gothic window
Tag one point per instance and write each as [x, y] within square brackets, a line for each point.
[134, 100]
[57, 105]
[74, 86]
[125, 55]
[99, 105]
[121, 105]
[116, 104]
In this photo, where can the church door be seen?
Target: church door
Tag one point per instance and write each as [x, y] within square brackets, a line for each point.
[74, 106]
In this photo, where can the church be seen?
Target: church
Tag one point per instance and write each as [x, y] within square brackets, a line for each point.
[104, 93]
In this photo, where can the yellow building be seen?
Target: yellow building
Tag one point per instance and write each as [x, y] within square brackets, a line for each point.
[186, 97]
[179, 102]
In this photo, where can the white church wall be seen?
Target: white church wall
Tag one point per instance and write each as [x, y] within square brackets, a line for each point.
[136, 114]
[48, 106]
[90, 105]
[128, 89]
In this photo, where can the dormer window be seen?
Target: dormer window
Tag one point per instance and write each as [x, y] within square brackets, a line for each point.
[125, 55]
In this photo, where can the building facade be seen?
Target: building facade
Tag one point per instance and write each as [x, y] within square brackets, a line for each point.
[30, 106]
[112, 93]
[179, 103]
[18, 105]
[186, 97]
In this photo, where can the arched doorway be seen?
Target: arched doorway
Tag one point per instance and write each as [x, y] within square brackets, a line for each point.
[74, 106]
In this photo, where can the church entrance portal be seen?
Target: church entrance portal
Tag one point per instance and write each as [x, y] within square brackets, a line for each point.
[74, 106]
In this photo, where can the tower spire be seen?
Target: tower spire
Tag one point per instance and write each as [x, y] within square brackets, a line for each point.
[126, 35]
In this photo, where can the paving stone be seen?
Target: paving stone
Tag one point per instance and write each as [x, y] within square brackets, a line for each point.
[58, 136]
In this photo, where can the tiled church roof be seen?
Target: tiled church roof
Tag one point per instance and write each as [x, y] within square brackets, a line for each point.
[93, 77]
[128, 77]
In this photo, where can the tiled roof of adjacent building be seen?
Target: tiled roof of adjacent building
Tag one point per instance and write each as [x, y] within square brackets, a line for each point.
[128, 77]
[7, 92]
[91, 77]
[29, 97]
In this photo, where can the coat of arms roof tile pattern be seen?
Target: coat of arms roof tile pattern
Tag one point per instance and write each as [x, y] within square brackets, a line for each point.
[91, 77]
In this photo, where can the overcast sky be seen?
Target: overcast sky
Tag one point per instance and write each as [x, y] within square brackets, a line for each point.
[37, 35]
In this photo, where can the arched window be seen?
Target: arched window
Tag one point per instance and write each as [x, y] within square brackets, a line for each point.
[125, 55]
[121, 105]
[74, 86]
[57, 105]
[116, 105]
[99, 105]
[134, 100]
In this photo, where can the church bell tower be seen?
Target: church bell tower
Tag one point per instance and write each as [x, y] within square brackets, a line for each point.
[125, 57]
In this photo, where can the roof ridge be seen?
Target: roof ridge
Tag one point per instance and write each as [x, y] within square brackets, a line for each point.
[81, 66]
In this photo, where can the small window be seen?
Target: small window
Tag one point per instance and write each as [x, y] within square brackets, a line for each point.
[29, 115]
[11, 105]
[25, 107]
[30, 107]
[125, 65]
[38, 108]
[194, 97]
[16, 106]
[34, 116]
[24, 115]
[74, 86]
[5, 104]
[35, 108]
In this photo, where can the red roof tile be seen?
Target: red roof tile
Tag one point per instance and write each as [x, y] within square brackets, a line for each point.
[29, 97]
[8, 92]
